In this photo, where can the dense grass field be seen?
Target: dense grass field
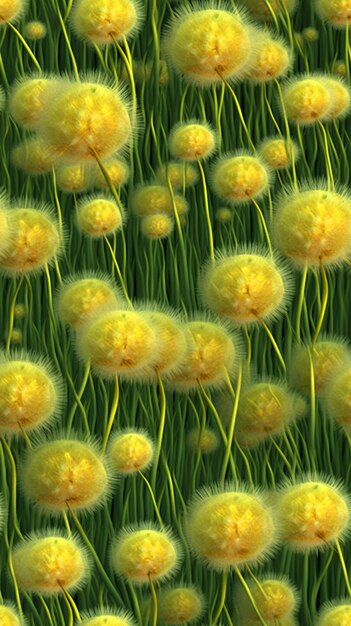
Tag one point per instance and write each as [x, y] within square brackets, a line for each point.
[175, 368]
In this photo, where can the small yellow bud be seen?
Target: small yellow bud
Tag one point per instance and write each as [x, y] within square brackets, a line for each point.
[130, 451]
[34, 30]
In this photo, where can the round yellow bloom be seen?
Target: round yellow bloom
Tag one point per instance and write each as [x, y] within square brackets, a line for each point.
[261, 11]
[336, 12]
[47, 565]
[33, 156]
[271, 59]
[312, 514]
[117, 170]
[224, 215]
[34, 30]
[9, 616]
[156, 199]
[180, 175]
[27, 100]
[141, 554]
[157, 226]
[11, 10]
[307, 100]
[98, 216]
[335, 615]
[62, 472]
[310, 34]
[240, 178]
[119, 342]
[179, 605]
[105, 617]
[211, 354]
[72, 178]
[80, 298]
[35, 240]
[275, 599]
[230, 528]
[29, 395]
[245, 288]
[172, 342]
[339, 68]
[192, 141]
[102, 21]
[81, 119]
[340, 97]
[328, 356]
[338, 397]
[205, 441]
[200, 45]
[314, 226]
[5, 228]
[264, 410]
[277, 152]
[131, 451]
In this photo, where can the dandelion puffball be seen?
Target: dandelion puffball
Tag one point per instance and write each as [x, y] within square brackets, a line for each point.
[230, 528]
[338, 397]
[157, 226]
[313, 226]
[335, 614]
[271, 59]
[275, 599]
[27, 99]
[312, 514]
[80, 297]
[245, 287]
[65, 472]
[206, 45]
[335, 12]
[50, 564]
[99, 215]
[11, 10]
[118, 342]
[143, 553]
[107, 617]
[102, 21]
[130, 451]
[172, 342]
[9, 616]
[307, 99]
[30, 395]
[277, 152]
[81, 119]
[35, 240]
[191, 141]
[179, 605]
[240, 178]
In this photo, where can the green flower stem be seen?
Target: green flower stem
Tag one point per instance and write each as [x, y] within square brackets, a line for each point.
[112, 415]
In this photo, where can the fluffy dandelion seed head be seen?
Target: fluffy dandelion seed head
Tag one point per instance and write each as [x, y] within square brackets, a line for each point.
[272, 59]
[313, 226]
[200, 44]
[157, 226]
[9, 616]
[107, 617]
[205, 441]
[335, 614]
[172, 341]
[49, 564]
[84, 117]
[27, 99]
[143, 553]
[260, 9]
[307, 99]
[79, 298]
[65, 471]
[230, 528]
[131, 451]
[119, 342]
[336, 12]
[179, 605]
[275, 599]
[117, 170]
[102, 21]
[240, 178]
[338, 397]
[30, 395]
[224, 215]
[33, 157]
[5, 228]
[156, 199]
[180, 175]
[312, 514]
[277, 152]
[245, 287]
[310, 34]
[35, 240]
[329, 355]
[34, 30]
[265, 409]
[11, 10]
[340, 97]
[97, 216]
[211, 353]
[73, 178]
[190, 141]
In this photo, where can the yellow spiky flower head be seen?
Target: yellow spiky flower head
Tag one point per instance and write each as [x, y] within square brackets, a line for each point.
[190, 141]
[33, 156]
[200, 43]
[272, 59]
[157, 226]
[98, 215]
[28, 99]
[240, 177]
[130, 451]
[337, 13]
[11, 10]
[277, 152]
[34, 30]
[9, 615]
[180, 175]
[102, 21]
[180, 605]
[107, 617]
[338, 396]
[337, 613]
[275, 598]
[307, 99]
